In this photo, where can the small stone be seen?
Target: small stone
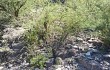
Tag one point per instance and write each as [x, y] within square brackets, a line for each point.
[90, 46]
[1, 67]
[10, 65]
[72, 52]
[79, 39]
[88, 54]
[107, 56]
[68, 46]
[37, 69]
[94, 50]
[59, 61]
[76, 47]
[105, 63]
[90, 41]
[50, 62]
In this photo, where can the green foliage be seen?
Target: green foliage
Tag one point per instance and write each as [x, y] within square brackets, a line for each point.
[104, 26]
[46, 21]
[12, 7]
[38, 61]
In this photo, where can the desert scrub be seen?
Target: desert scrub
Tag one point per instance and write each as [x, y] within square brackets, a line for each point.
[12, 7]
[38, 61]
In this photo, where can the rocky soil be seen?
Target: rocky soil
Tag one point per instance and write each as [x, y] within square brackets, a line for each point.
[12, 51]
[76, 54]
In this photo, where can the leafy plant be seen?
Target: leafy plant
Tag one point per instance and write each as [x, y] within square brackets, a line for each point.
[12, 7]
[38, 61]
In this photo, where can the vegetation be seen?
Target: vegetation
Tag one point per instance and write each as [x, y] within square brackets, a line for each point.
[47, 21]
[38, 61]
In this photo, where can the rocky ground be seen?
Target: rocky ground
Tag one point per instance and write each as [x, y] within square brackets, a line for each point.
[12, 50]
[83, 55]
[76, 54]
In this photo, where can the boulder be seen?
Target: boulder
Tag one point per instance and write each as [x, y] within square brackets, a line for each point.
[89, 64]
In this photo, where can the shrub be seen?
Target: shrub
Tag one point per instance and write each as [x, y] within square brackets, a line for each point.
[104, 27]
[38, 61]
[12, 7]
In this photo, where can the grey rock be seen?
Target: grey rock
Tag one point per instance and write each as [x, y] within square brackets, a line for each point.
[13, 33]
[72, 52]
[76, 47]
[78, 39]
[94, 50]
[68, 46]
[90, 65]
[105, 63]
[62, 53]
[50, 62]
[1, 67]
[37, 69]
[88, 53]
[107, 56]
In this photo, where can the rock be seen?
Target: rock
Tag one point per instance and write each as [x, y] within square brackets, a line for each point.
[71, 52]
[37, 69]
[91, 52]
[105, 63]
[50, 62]
[96, 42]
[68, 46]
[95, 65]
[61, 67]
[61, 53]
[10, 65]
[88, 38]
[88, 53]
[4, 53]
[94, 51]
[97, 57]
[90, 65]
[75, 47]
[18, 45]
[78, 39]
[106, 56]
[1, 67]
[59, 61]
[90, 46]
[69, 61]
[57, 67]
[13, 33]
[90, 41]
[24, 63]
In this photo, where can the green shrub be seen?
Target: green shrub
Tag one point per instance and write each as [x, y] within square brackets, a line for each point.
[12, 7]
[38, 61]
[104, 27]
